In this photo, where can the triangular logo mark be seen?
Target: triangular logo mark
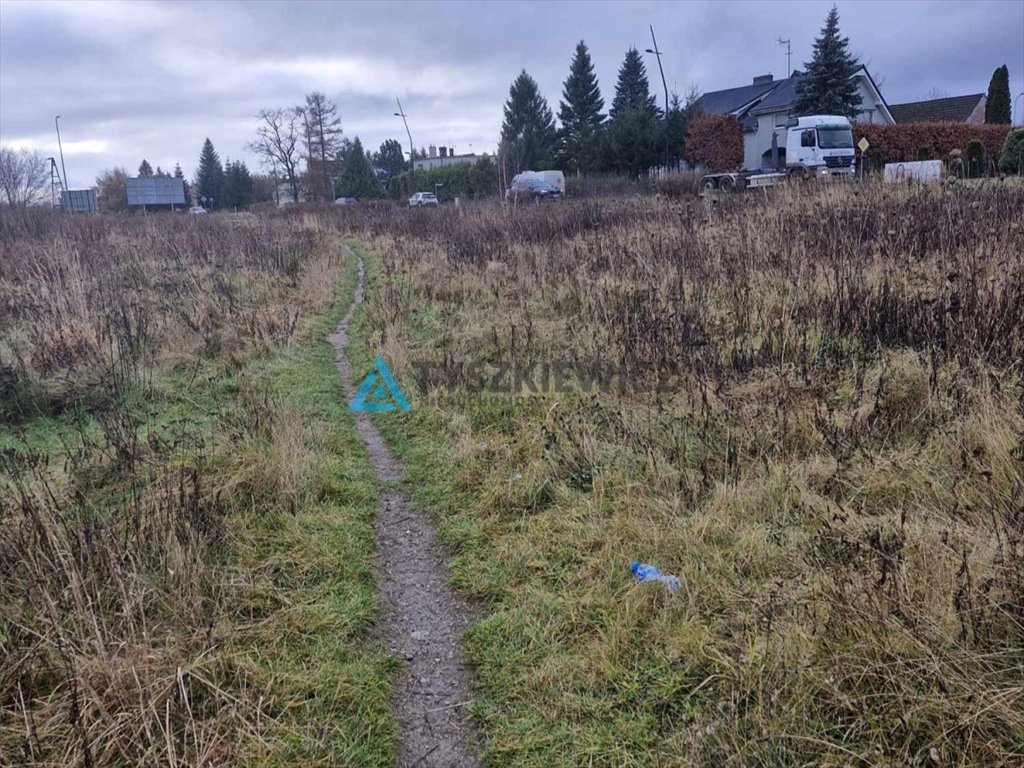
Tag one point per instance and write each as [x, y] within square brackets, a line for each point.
[379, 392]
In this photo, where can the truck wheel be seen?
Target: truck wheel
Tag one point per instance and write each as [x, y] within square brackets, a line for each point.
[726, 184]
[707, 184]
[797, 173]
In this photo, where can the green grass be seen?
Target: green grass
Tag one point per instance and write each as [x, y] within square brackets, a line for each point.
[780, 650]
[292, 588]
[328, 674]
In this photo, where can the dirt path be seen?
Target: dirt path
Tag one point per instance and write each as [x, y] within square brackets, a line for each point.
[423, 620]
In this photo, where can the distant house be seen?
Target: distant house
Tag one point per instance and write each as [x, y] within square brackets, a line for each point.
[765, 106]
[953, 109]
[440, 156]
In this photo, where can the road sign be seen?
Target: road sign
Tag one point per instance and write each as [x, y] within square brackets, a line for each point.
[863, 144]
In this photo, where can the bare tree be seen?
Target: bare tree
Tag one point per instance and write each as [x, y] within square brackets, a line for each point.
[323, 137]
[23, 177]
[277, 143]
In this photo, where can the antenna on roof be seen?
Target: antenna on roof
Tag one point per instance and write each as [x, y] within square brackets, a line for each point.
[789, 56]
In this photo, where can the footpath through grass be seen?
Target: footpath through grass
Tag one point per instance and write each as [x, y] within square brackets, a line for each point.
[834, 471]
[235, 632]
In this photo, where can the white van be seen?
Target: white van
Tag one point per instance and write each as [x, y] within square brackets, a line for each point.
[554, 178]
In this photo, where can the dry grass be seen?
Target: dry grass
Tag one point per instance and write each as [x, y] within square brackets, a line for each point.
[836, 472]
[181, 533]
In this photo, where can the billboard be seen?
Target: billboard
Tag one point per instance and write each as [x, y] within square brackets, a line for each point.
[79, 200]
[155, 190]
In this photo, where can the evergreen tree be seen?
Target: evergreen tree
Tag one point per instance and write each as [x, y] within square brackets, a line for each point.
[828, 87]
[179, 174]
[997, 103]
[160, 173]
[528, 135]
[635, 142]
[675, 129]
[237, 191]
[145, 169]
[358, 178]
[210, 176]
[632, 91]
[580, 115]
[391, 159]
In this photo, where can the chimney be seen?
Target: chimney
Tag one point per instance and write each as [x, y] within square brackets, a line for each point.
[443, 151]
[432, 151]
[762, 79]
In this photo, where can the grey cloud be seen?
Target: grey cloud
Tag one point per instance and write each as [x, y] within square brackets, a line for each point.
[153, 79]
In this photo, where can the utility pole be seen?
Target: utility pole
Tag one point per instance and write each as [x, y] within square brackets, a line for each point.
[789, 56]
[412, 150]
[657, 55]
[63, 170]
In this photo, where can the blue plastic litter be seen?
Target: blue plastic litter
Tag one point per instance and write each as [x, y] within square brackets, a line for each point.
[646, 572]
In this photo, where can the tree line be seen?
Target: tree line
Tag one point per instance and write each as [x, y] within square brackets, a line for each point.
[635, 135]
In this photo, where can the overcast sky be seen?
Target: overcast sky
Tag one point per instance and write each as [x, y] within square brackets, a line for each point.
[152, 79]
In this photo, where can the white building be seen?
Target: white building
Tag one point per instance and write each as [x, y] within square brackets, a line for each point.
[440, 156]
[765, 106]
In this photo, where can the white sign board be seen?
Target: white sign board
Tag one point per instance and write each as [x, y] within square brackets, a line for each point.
[920, 170]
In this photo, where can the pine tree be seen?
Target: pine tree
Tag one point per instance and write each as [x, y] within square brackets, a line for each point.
[391, 159]
[245, 185]
[145, 169]
[528, 135]
[675, 129]
[210, 176]
[635, 142]
[179, 174]
[997, 103]
[159, 173]
[358, 178]
[827, 87]
[632, 91]
[580, 115]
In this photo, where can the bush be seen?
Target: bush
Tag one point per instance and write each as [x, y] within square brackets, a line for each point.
[464, 180]
[716, 142]
[974, 159]
[1011, 158]
[904, 142]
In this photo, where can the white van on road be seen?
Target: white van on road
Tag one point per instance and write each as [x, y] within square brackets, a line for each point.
[554, 178]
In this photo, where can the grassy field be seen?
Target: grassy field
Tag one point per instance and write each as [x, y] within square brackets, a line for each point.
[814, 417]
[186, 536]
[833, 464]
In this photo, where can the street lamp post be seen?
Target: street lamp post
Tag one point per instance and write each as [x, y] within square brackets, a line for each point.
[1015, 108]
[412, 151]
[657, 55]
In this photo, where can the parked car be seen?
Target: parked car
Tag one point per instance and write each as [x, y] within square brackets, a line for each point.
[423, 200]
[346, 201]
[196, 210]
[532, 190]
[551, 177]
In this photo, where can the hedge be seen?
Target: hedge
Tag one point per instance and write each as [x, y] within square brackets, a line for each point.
[716, 142]
[910, 141]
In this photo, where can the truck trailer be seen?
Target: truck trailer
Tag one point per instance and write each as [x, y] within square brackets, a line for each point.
[817, 146]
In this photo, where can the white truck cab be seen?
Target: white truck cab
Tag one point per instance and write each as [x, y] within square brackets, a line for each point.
[820, 145]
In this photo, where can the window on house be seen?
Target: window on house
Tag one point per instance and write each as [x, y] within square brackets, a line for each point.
[781, 119]
[807, 138]
[867, 116]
